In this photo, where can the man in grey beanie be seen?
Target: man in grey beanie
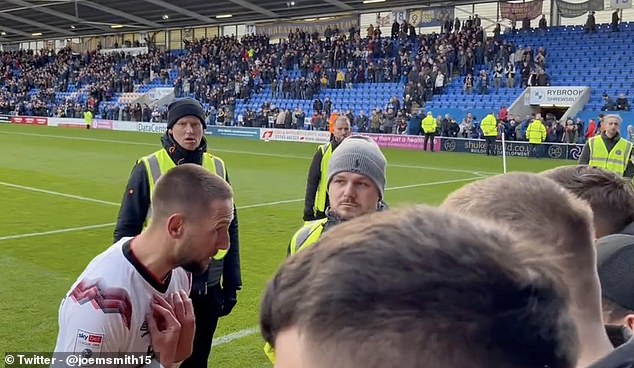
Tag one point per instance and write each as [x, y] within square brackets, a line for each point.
[356, 178]
[214, 292]
[356, 183]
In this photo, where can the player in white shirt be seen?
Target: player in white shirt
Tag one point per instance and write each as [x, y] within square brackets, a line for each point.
[133, 298]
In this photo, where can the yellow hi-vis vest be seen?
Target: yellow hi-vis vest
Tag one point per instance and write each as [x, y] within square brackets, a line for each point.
[322, 188]
[159, 162]
[303, 238]
[616, 160]
[88, 117]
[429, 124]
[489, 126]
[306, 236]
[536, 132]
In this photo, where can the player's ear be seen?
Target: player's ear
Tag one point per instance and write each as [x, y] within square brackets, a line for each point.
[175, 225]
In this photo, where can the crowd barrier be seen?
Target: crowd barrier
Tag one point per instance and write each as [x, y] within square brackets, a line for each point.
[407, 142]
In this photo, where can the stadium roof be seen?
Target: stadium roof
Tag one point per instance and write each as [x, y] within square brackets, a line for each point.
[22, 20]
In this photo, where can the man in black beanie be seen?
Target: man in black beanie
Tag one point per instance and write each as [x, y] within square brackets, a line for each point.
[184, 142]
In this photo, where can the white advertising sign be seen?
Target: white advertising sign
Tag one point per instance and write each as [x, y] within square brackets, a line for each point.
[620, 4]
[292, 135]
[126, 126]
[159, 92]
[151, 127]
[555, 96]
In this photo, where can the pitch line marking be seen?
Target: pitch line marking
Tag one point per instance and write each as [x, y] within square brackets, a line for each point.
[255, 205]
[287, 156]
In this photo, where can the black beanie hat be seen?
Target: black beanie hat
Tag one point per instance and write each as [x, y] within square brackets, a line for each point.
[185, 107]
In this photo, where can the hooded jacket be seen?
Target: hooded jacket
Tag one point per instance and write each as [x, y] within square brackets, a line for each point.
[136, 202]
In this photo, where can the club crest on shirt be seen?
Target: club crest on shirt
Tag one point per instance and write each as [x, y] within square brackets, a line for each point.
[145, 330]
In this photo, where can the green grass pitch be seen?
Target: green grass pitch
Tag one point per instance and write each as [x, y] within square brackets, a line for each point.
[52, 179]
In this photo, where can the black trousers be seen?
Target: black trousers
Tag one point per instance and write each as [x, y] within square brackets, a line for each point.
[207, 311]
[490, 145]
[429, 136]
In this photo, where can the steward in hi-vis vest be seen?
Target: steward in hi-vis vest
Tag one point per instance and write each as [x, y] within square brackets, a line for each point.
[316, 199]
[214, 292]
[609, 151]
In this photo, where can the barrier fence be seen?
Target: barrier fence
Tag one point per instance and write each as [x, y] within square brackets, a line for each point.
[560, 151]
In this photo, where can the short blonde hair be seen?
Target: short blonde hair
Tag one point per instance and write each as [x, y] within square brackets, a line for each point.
[536, 208]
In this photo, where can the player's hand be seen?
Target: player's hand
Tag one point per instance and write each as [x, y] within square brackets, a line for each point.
[164, 330]
[184, 313]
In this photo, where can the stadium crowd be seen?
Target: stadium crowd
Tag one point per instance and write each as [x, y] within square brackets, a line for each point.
[528, 275]
[220, 70]
[223, 70]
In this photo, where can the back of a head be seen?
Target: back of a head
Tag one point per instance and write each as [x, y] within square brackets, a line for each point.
[421, 288]
[555, 224]
[610, 196]
[187, 188]
[535, 208]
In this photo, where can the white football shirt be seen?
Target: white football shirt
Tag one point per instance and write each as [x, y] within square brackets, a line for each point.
[105, 309]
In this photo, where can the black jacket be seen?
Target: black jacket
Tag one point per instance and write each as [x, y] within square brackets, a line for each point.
[136, 202]
[312, 183]
[584, 159]
[623, 357]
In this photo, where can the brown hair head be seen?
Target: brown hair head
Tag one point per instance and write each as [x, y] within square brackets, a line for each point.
[421, 287]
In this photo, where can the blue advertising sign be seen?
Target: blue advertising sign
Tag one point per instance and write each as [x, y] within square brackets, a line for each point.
[558, 151]
[233, 132]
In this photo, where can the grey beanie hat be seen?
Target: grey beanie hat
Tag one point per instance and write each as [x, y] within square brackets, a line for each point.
[360, 155]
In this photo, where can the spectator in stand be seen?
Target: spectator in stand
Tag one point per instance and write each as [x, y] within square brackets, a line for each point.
[468, 84]
[600, 126]
[614, 25]
[542, 23]
[511, 128]
[621, 103]
[571, 135]
[608, 105]
[503, 114]
[483, 83]
[590, 26]
[498, 74]
[592, 129]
